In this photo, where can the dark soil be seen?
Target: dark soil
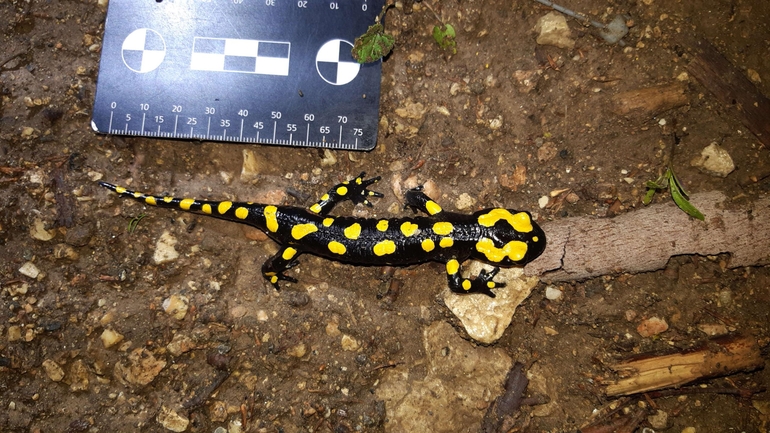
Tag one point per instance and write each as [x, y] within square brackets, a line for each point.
[275, 360]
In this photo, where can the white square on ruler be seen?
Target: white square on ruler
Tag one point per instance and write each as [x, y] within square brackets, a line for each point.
[241, 47]
[207, 62]
[272, 66]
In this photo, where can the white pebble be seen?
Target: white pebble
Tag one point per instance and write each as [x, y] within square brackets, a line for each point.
[553, 293]
[543, 201]
[30, 270]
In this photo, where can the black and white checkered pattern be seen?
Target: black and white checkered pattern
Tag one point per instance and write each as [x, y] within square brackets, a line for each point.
[335, 63]
[143, 50]
[247, 56]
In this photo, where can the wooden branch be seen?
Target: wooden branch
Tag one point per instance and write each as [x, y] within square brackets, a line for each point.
[732, 88]
[649, 102]
[720, 357]
[645, 239]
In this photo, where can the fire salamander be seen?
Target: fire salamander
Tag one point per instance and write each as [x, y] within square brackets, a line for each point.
[496, 236]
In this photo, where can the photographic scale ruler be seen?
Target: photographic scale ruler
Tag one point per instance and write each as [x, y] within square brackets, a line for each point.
[249, 71]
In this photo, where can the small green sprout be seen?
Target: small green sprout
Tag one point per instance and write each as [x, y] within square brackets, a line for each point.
[670, 182]
[445, 37]
[372, 45]
[134, 223]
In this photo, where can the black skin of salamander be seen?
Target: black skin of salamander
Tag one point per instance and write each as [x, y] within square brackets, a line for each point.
[408, 247]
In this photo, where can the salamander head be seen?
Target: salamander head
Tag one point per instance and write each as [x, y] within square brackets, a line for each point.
[508, 237]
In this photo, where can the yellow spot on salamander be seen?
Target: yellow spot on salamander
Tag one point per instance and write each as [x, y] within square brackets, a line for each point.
[491, 284]
[408, 228]
[353, 231]
[274, 279]
[384, 247]
[315, 208]
[289, 253]
[443, 228]
[324, 197]
[428, 245]
[514, 250]
[242, 213]
[186, 203]
[342, 190]
[446, 242]
[452, 267]
[535, 239]
[467, 284]
[382, 225]
[168, 199]
[301, 230]
[206, 208]
[224, 206]
[521, 222]
[120, 190]
[327, 222]
[138, 195]
[337, 248]
[432, 207]
[271, 221]
[150, 200]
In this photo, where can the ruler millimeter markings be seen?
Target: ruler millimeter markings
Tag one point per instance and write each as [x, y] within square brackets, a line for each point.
[250, 71]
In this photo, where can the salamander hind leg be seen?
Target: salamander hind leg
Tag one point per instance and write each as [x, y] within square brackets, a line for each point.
[355, 190]
[483, 283]
[418, 200]
[273, 269]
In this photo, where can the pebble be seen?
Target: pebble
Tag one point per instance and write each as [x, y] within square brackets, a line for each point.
[53, 370]
[110, 338]
[349, 343]
[64, 251]
[78, 376]
[38, 231]
[14, 333]
[411, 110]
[29, 269]
[713, 329]
[252, 166]
[542, 202]
[142, 367]
[328, 158]
[658, 420]
[465, 202]
[170, 420]
[754, 76]
[176, 306]
[164, 249]
[180, 344]
[553, 30]
[552, 293]
[688, 430]
[714, 160]
[652, 326]
[297, 351]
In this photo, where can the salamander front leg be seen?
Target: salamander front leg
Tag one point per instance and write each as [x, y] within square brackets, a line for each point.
[273, 269]
[483, 283]
[417, 200]
[355, 190]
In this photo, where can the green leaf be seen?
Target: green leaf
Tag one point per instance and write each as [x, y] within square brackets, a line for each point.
[372, 45]
[445, 37]
[680, 198]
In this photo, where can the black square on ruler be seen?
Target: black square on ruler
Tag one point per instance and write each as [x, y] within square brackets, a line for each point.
[272, 49]
[210, 46]
[240, 64]
[346, 54]
[133, 59]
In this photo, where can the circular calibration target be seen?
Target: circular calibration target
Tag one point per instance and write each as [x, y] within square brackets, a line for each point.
[143, 50]
[335, 64]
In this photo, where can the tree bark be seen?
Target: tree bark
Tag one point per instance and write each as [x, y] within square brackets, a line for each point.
[645, 239]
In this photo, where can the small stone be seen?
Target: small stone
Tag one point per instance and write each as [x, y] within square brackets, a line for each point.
[684, 76]
[29, 269]
[550, 331]
[78, 376]
[64, 251]
[553, 293]
[496, 123]
[110, 338]
[238, 311]
[218, 412]
[252, 166]
[714, 160]
[53, 370]
[542, 202]
[164, 249]
[297, 351]
[713, 329]
[170, 420]
[553, 30]
[688, 430]
[38, 231]
[754, 76]
[180, 344]
[349, 343]
[652, 326]
[329, 159]
[465, 202]
[658, 420]
[14, 333]
[142, 367]
[572, 198]
[547, 152]
[411, 110]
[176, 306]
